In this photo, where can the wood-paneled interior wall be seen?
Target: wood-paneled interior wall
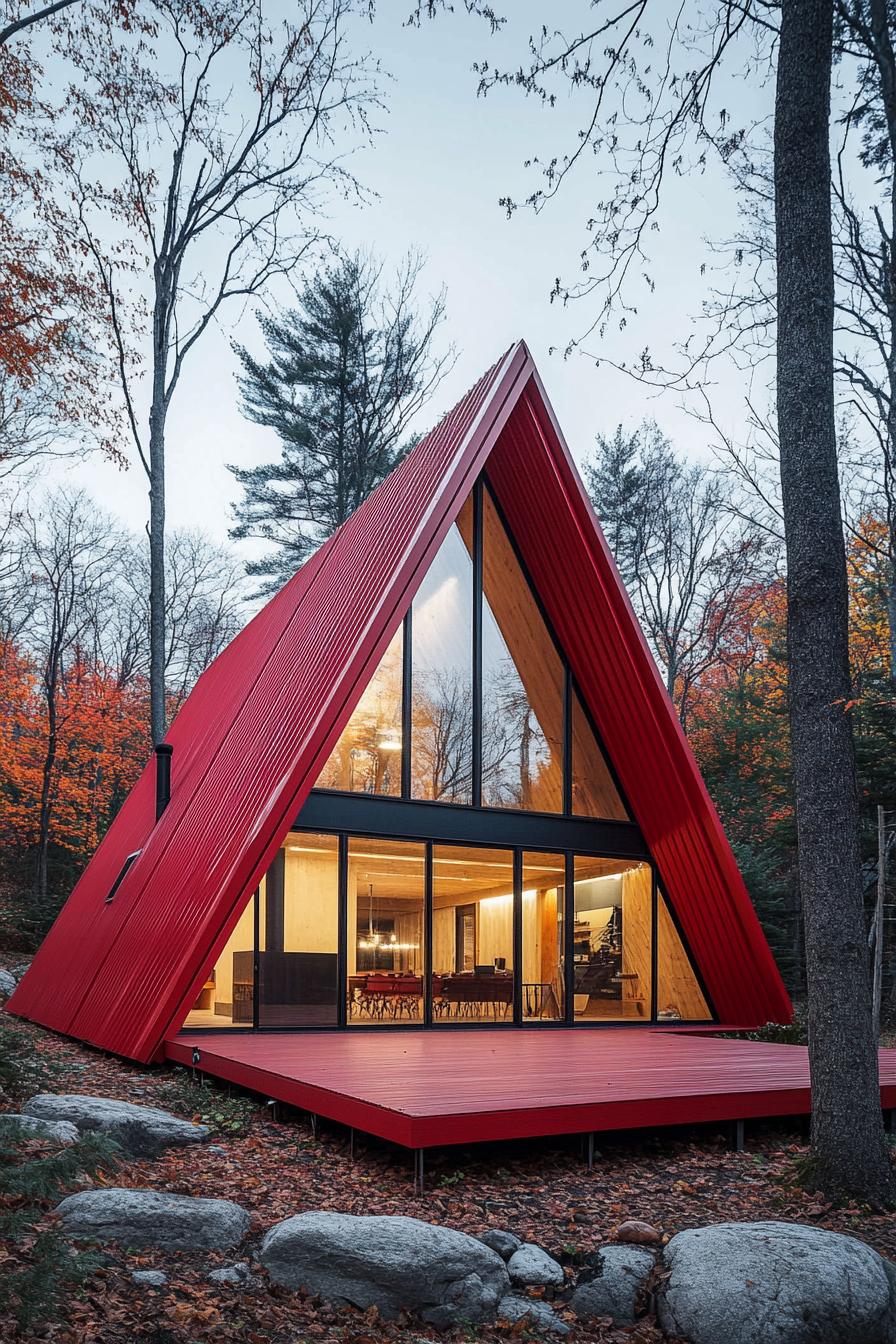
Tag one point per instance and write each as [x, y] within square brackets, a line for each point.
[677, 987]
[593, 792]
[522, 628]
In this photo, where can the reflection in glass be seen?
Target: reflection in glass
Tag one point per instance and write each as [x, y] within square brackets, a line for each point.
[522, 685]
[385, 954]
[593, 792]
[442, 674]
[367, 757]
[611, 939]
[299, 935]
[679, 997]
[472, 934]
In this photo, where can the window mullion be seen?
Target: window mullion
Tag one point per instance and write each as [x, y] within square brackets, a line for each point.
[477, 645]
[569, 937]
[567, 740]
[517, 937]
[427, 937]
[407, 689]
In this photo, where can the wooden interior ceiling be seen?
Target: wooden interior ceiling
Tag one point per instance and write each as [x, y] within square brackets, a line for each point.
[461, 874]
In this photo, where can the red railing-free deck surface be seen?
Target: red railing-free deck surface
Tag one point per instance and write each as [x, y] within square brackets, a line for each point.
[428, 1088]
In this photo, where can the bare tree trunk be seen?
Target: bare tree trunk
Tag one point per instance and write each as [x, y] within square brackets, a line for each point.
[877, 929]
[157, 417]
[849, 1150]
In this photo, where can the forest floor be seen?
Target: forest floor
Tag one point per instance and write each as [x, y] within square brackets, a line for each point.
[541, 1191]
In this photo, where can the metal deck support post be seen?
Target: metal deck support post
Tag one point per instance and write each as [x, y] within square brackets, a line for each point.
[313, 1119]
[418, 1171]
[736, 1136]
[590, 1151]
[351, 1145]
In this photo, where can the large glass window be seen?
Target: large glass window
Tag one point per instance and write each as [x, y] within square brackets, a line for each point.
[679, 997]
[593, 792]
[367, 757]
[472, 934]
[612, 939]
[442, 671]
[522, 684]
[298, 922]
[385, 954]
[474, 976]
[544, 886]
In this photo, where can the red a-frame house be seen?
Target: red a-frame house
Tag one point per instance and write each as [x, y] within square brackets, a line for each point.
[435, 783]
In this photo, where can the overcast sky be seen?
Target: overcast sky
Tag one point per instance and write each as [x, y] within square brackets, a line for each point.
[438, 169]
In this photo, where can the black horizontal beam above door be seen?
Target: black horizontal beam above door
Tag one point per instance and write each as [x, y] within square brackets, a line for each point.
[364, 814]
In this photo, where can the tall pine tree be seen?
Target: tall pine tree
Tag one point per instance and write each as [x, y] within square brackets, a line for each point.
[346, 372]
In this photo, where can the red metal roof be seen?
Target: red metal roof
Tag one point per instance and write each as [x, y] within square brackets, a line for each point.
[252, 737]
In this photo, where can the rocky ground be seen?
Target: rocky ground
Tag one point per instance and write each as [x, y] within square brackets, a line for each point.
[277, 1168]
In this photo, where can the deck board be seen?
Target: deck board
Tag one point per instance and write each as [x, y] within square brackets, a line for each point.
[426, 1088]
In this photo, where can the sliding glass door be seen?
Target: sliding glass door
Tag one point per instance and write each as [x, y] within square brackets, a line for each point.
[472, 935]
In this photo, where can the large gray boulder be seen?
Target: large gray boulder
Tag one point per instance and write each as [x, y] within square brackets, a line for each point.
[393, 1263]
[140, 1130]
[532, 1267]
[618, 1275]
[153, 1218]
[30, 1127]
[776, 1283]
[7, 983]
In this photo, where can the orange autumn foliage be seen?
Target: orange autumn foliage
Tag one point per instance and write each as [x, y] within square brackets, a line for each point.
[738, 726]
[102, 744]
[867, 567]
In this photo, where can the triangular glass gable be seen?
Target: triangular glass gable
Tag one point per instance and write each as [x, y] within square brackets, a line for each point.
[523, 680]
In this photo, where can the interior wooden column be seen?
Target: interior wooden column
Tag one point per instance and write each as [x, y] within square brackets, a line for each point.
[549, 944]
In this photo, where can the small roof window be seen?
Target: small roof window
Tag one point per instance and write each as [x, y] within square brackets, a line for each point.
[125, 868]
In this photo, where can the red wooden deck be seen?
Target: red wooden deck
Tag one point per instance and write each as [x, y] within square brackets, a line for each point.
[424, 1089]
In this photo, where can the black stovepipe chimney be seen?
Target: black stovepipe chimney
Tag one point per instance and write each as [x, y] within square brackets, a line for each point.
[163, 777]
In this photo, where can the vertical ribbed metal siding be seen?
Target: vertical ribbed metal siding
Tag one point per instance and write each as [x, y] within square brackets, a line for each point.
[250, 740]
